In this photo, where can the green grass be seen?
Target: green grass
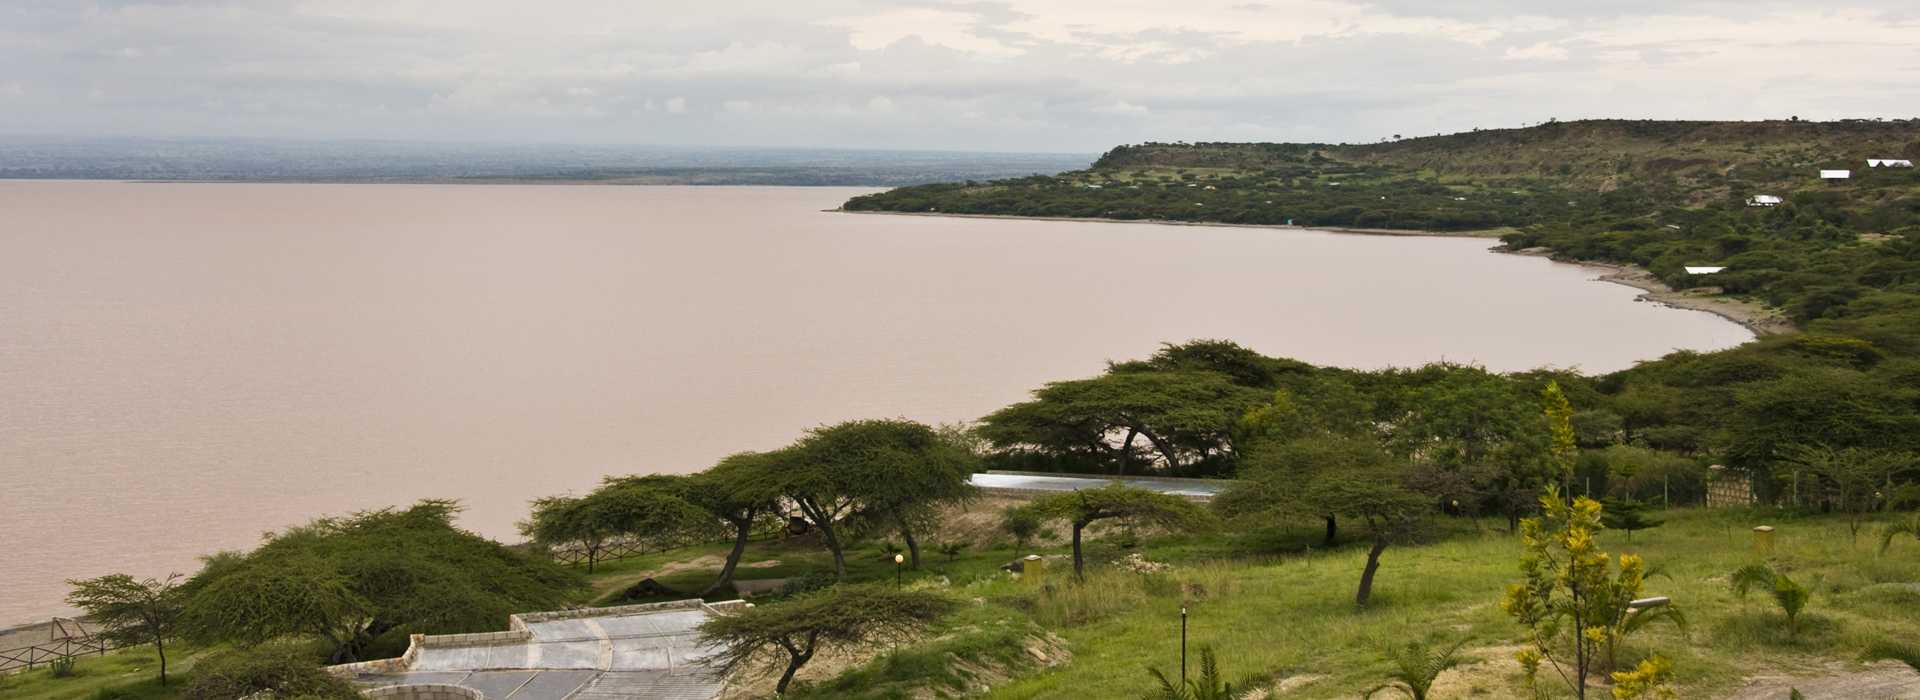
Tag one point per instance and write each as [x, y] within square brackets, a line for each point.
[1273, 609]
[129, 674]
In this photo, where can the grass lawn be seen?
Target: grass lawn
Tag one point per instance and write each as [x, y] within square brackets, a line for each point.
[1279, 611]
[129, 674]
[1278, 614]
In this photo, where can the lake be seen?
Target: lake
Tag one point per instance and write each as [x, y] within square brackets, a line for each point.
[186, 366]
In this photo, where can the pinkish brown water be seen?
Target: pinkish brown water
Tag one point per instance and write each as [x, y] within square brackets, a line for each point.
[186, 366]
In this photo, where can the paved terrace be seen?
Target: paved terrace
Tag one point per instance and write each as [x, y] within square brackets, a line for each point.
[1033, 484]
[635, 651]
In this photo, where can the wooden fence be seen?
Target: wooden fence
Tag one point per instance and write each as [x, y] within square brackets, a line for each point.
[67, 638]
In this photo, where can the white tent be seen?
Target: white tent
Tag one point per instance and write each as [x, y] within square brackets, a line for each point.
[1691, 270]
[1764, 200]
[1888, 163]
[1835, 174]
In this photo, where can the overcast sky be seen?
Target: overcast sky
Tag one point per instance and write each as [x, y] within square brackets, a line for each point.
[1018, 75]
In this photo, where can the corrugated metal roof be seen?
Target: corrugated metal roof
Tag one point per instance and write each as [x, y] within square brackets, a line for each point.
[651, 653]
[1019, 482]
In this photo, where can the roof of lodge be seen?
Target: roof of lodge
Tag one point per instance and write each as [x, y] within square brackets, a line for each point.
[1028, 483]
[635, 651]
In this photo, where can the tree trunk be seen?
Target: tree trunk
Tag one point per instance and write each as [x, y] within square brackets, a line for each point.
[793, 667]
[1166, 450]
[1126, 450]
[1079, 568]
[821, 519]
[1366, 576]
[160, 648]
[797, 657]
[833, 545]
[1333, 530]
[742, 530]
[913, 545]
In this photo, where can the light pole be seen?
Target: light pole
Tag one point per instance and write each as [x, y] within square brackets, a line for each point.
[897, 561]
[1183, 646]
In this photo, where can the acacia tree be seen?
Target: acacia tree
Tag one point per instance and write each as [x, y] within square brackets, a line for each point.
[1087, 506]
[869, 471]
[1472, 434]
[646, 508]
[1855, 479]
[737, 491]
[1270, 479]
[845, 617]
[356, 580]
[1376, 498]
[1184, 416]
[131, 611]
[903, 471]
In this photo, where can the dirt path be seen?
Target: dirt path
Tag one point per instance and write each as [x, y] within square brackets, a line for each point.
[1884, 680]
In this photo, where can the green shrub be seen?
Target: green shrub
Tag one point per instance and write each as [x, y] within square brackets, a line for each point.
[284, 670]
[62, 667]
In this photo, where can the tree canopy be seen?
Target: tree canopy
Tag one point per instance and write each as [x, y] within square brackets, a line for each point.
[371, 577]
[1185, 418]
[131, 611]
[844, 617]
[1087, 506]
[637, 509]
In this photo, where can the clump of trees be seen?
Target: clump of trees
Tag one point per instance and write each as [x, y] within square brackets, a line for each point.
[369, 578]
[858, 477]
[843, 617]
[270, 670]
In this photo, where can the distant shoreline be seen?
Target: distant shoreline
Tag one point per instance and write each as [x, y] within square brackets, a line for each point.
[1756, 319]
[1480, 233]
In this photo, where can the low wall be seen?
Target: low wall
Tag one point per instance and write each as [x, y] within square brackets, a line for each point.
[424, 691]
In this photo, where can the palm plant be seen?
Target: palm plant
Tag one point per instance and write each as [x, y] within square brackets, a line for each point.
[1911, 527]
[1415, 668]
[1210, 686]
[1790, 595]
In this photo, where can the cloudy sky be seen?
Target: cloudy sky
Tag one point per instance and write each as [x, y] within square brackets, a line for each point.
[1012, 75]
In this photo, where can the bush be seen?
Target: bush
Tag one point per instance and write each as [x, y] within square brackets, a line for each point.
[1022, 523]
[62, 667]
[286, 671]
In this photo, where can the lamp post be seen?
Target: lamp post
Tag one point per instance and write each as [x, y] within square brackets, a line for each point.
[897, 561]
[1183, 646]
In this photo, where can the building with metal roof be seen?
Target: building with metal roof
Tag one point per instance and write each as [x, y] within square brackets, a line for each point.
[645, 652]
[1028, 484]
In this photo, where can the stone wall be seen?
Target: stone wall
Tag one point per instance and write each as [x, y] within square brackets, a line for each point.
[424, 691]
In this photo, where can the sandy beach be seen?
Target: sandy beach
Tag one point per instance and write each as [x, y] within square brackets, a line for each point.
[1755, 317]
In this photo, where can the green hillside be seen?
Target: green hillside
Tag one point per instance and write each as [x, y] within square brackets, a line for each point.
[1662, 195]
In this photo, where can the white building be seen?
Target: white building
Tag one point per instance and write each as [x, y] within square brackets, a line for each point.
[1764, 200]
[1691, 270]
[1835, 174]
[1888, 163]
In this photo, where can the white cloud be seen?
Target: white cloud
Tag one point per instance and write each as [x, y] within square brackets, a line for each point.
[952, 29]
[1542, 51]
[1003, 74]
